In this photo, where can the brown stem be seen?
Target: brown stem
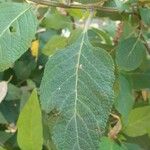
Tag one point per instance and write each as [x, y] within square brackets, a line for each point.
[76, 6]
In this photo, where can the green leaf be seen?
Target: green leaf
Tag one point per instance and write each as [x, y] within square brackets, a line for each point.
[14, 93]
[131, 146]
[78, 83]
[55, 20]
[30, 132]
[17, 29]
[139, 79]
[138, 123]
[145, 15]
[54, 44]
[109, 144]
[124, 100]
[130, 54]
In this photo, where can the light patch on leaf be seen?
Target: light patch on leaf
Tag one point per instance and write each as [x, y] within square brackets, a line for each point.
[3, 90]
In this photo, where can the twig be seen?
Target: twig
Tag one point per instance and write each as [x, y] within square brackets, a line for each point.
[75, 6]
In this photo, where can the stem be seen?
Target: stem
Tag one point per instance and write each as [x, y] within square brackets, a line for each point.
[75, 6]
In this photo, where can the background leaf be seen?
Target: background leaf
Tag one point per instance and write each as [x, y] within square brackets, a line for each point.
[124, 101]
[130, 54]
[109, 144]
[138, 122]
[30, 132]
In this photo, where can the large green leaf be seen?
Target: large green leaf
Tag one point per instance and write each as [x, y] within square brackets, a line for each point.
[17, 29]
[138, 122]
[130, 54]
[30, 133]
[78, 83]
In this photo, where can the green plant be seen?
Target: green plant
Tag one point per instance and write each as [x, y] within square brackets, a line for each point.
[74, 75]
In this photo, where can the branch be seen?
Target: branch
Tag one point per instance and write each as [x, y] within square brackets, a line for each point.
[75, 6]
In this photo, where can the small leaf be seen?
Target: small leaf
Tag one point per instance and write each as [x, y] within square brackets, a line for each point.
[17, 29]
[3, 90]
[138, 123]
[130, 54]
[109, 144]
[30, 133]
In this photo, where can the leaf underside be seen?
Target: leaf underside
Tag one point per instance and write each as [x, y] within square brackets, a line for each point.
[78, 83]
[17, 29]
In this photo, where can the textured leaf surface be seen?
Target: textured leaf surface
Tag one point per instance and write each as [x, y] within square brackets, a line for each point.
[78, 83]
[17, 29]
[30, 133]
[130, 54]
[138, 122]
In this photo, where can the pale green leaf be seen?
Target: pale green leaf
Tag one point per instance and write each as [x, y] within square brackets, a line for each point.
[30, 133]
[54, 44]
[138, 123]
[17, 29]
[130, 54]
[78, 83]
[109, 144]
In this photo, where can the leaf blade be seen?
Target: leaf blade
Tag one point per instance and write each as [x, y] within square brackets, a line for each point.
[130, 54]
[74, 75]
[29, 125]
[17, 30]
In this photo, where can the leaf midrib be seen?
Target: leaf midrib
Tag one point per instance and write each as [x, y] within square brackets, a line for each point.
[76, 84]
[16, 18]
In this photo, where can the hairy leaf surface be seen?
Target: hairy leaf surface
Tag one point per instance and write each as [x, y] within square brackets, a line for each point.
[78, 83]
[17, 29]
